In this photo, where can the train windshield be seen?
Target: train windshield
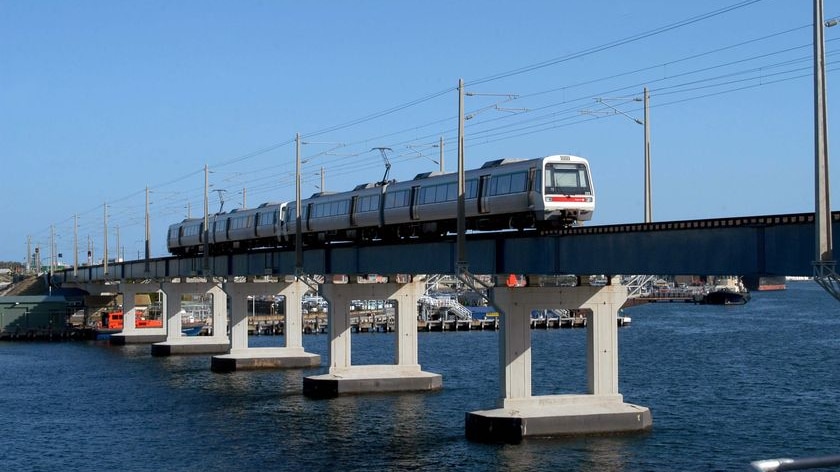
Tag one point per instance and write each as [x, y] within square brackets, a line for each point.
[567, 179]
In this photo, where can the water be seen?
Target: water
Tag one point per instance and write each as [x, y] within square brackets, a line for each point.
[726, 385]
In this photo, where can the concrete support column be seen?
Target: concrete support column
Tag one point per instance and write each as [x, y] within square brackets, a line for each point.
[404, 375]
[293, 293]
[519, 414]
[514, 343]
[239, 293]
[241, 356]
[238, 314]
[406, 323]
[220, 316]
[338, 324]
[176, 342]
[602, 339]
[130, 333]
[129, 291]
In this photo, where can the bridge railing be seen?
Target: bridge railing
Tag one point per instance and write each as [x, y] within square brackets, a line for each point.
[773, 465]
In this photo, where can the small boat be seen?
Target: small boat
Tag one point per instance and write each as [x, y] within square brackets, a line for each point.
[732, 292]
[623, 320]
[114, 321]
[193, 330]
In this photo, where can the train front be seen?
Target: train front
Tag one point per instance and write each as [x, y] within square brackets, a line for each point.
[568, 195]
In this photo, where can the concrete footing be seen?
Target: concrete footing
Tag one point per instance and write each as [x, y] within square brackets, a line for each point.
[557, 415]
[264, 358]
[120, 339]
[371, 379]
[190, 345]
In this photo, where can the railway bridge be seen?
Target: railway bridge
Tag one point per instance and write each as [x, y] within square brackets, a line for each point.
[524, 266]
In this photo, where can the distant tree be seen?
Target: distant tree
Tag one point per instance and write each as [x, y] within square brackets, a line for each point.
[14, 266]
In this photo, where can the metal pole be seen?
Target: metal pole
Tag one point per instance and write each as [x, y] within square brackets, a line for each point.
[75, 245]
[441, 155]
[822, 213]
[148, 232]
[28, 253]
[105, 227]
[322, 179]
[648, 210]
[461, 254]
[206, 232]
[298, 238]
[52, 249]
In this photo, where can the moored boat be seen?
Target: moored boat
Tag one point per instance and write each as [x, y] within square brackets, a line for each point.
[731, 292]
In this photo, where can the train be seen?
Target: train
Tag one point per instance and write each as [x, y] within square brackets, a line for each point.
[543, 193]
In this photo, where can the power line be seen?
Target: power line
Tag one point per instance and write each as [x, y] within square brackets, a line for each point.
[613, 44]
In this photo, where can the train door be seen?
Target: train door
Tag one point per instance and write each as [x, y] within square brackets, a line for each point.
[531, 187]
[280, 219]
[415, 194]
[353, 206]
[484, 194]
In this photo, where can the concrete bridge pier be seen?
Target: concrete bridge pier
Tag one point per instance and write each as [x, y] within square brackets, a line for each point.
[519, 414]
[130, 334]
[176, 342]
[243, 357]
[343, 378]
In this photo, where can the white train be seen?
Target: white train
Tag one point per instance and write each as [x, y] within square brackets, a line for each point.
[553, 191]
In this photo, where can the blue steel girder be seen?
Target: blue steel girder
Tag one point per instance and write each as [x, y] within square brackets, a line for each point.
[763, 245]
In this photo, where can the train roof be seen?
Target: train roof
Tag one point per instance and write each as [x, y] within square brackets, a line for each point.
[501, 162]
[426, 175]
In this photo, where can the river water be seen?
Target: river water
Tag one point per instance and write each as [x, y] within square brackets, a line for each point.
[725, 385]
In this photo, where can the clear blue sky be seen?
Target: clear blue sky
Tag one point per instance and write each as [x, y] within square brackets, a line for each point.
[100, 99]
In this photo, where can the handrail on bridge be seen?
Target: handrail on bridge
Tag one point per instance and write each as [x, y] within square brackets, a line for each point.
[827, 278]
[774, 465]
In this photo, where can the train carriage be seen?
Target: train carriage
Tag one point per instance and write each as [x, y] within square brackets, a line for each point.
[553, 191]
[185, 237]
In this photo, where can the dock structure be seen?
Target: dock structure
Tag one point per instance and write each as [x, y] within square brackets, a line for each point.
[240, 356]
[343, 377]
[520, 414]
[176, 342]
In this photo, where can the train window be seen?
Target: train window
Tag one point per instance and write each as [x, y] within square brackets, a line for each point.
[291, 214]
[518, 182]
[502, 185]
[567, 179]
[451, 191]
[428, 194]
[471, 190]
[396, 199]
[240, 222]
[266, 219]
[368, 203]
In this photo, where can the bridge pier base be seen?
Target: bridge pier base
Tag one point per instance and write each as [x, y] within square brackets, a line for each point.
[344, 378]
[242, 357]
[520, 414]
[130, 334]
[176, 343]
